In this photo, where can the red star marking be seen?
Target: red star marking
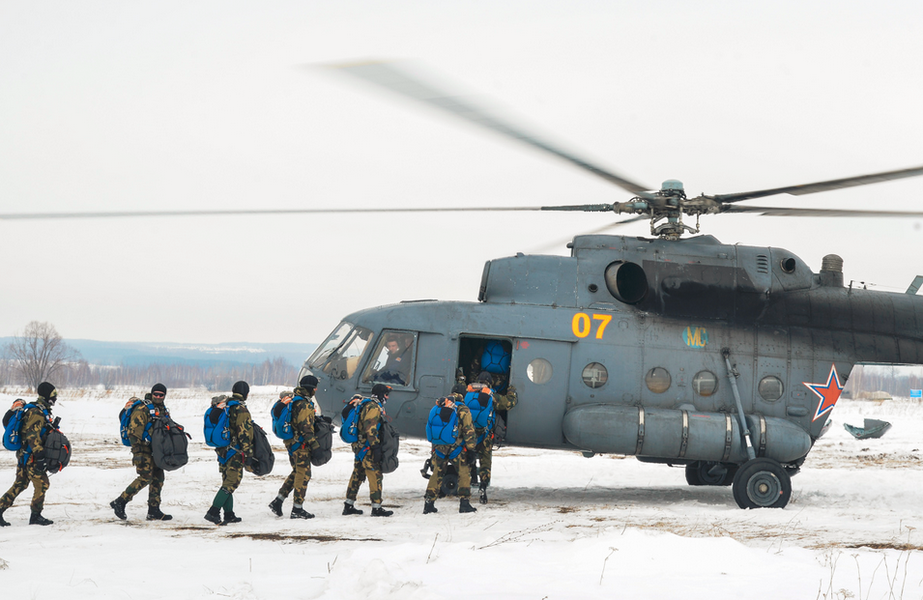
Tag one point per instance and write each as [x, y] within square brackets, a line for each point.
[828, 393]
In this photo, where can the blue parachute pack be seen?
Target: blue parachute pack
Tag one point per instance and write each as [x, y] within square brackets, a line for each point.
[218, 435]
[12, 433]
[496, 358]
[441, 432]
[349, 430]
[282, 419]
[481, 404]
[125, 420]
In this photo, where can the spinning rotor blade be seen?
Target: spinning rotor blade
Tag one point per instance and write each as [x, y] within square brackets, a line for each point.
[822, 186]
[608, 226]
[817, 212]
[390, 77]
[267, 211]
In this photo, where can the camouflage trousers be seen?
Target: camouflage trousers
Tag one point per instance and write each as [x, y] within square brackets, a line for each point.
[439, 468]
[148, 475]
[361, 470]
[232, 471]
[26, 474]
[299, 477]
[485, 452]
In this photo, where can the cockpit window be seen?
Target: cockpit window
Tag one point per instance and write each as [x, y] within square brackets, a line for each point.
[392, 360]
[340, 354]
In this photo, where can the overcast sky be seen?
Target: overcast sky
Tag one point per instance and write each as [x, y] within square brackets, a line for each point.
[201, 105]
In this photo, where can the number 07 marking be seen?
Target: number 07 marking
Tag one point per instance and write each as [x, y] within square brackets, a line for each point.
[581, 325]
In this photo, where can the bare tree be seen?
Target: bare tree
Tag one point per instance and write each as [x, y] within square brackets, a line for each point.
[39, 353]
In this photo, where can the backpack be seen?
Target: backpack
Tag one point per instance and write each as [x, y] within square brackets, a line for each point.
[12, 434]
[218, 435]
[262, 452]
[481, 405]
[57, 451]
[323, 433]
[125, 420]
[349, 429]
[282, 420]
[169, 443]
[439, 431]
[390, 445]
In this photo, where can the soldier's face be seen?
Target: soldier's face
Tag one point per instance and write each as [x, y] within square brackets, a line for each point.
[392, 347]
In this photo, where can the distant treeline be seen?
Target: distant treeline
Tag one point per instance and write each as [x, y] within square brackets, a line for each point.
[215, 377]
[897, 381]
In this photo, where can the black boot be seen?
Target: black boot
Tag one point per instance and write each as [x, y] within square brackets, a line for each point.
[300, 513]
[118, 505]
[429, 506]
[154, 514]
[464, 506]
[2, 522]
[380, 512]
[230, 517]
[38, 519]
[350, 509]
[214, 515]
[276, 507]
[483, 493]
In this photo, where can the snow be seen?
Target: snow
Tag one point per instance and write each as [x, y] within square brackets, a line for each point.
[558, 525]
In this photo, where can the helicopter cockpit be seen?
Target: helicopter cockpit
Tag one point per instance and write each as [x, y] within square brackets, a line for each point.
[344, 350]
[340, 354]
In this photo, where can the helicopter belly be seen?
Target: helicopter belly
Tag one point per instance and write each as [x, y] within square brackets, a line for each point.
[680, 434]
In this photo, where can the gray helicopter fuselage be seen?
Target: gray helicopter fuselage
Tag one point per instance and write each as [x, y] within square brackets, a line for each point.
[620, 347]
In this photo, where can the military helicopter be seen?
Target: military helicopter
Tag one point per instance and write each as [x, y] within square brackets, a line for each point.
[725, 359]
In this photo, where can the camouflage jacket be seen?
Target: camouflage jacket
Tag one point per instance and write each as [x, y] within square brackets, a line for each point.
[303, 419]
[466, 434]
[138, 421]
[369, 421]
[240, 426]
[506, 401]
[33, 425]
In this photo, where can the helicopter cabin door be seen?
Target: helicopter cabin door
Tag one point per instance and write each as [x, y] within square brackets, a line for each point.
[540, 370]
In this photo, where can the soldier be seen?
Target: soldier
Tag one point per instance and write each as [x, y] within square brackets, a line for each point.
[461, 451]
[149, 474]
[299, 447]
[232, 458]
[30, 458]
[481, 397]
[368, 452]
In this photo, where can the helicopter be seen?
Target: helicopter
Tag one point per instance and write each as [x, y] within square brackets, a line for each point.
[724, 359]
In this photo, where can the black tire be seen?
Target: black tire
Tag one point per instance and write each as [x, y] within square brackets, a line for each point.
[762, 483]
[706, 473]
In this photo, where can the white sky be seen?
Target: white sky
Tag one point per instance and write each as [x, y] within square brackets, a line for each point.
[178, 105]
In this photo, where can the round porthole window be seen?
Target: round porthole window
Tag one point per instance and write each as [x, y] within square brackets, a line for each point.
[770, 388]
[539, 371]
[595, 375]
[705, 383]
[658, 380]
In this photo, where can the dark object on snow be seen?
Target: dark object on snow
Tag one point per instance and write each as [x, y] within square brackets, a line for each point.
[169, 444]
[873, 429]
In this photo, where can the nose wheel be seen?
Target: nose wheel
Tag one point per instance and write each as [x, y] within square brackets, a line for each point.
[762, 483]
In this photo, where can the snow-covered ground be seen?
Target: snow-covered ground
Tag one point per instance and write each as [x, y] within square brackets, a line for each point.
[558, 525]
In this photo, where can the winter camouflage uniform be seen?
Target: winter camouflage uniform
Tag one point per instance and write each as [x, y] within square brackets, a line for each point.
[369, 422]
[466, 438]
[485, 447]
[141, 457]
[34, 423]
[300, 447]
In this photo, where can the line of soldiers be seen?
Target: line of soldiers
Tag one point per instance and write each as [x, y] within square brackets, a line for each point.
[238, 455]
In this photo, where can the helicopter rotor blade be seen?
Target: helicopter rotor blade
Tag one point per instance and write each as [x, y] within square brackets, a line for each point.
[822, 186]
[817, 212]
[561, 241]
[389, 76]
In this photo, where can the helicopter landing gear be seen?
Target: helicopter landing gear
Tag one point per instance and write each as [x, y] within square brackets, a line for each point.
[710, 473]
[762, 483]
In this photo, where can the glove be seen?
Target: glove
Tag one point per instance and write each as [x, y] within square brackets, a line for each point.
[253, 464]
[313, 445]
[471, 458]
[375, 452]
[39, 461]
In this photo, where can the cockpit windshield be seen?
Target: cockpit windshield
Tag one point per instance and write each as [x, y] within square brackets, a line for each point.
[340, 354]
[392, 361]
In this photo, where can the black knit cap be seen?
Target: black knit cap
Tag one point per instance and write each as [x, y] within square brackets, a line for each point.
[159, 387]
[485, 377]
[242, 388]
[45, 390]
[380, 390]
[308, 381]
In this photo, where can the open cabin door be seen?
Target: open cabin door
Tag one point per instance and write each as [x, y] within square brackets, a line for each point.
[540, 370]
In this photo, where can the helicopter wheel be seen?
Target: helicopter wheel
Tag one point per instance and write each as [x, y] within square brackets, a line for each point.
[762, 483]
[710, 473]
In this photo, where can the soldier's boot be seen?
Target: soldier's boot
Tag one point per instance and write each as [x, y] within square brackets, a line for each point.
[38, 519]
[350, 509]
[464, 506]
[118, 505]
[155, 514]
[483, 490]
[3, 523]
[214, 515]
[230, 517]
[276, 507]
[380, 512]
[301, 513]
[429, 507]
